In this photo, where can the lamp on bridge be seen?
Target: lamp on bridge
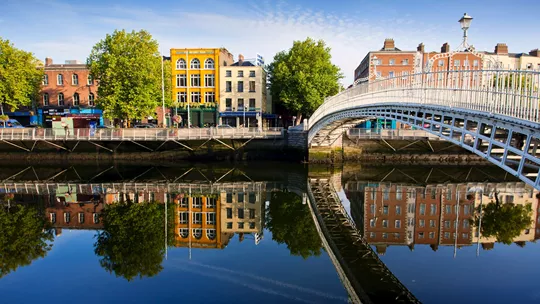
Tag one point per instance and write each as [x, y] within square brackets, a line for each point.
[465, 23]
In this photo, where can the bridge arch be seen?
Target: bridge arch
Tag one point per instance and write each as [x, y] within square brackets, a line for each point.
[481, 111]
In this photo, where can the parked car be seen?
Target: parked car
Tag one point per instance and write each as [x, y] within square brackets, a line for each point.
[145, 125]
[224, 127]
[10, 123]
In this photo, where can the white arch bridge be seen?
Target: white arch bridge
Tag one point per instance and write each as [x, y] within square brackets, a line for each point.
[492, 113]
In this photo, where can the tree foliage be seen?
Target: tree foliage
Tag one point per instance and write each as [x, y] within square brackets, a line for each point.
[302, 77]
[25, 236]
[128, 69]
[132, 243]
[504, 221]
[20, 76]
[290, 223]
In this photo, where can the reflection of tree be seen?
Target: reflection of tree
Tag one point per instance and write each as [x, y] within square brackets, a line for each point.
[24, 236]
[291, 223]
[504, 221]
[132, 242]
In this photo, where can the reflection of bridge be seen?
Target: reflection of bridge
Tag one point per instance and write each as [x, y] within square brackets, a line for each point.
[482, 111]
[363, 274]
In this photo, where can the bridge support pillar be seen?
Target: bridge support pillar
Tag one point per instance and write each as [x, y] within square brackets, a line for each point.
[329, 152]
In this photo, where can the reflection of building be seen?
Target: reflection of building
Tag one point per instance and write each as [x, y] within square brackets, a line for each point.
[83, 214]
[434, 215]
[242, 212]
[136, 197]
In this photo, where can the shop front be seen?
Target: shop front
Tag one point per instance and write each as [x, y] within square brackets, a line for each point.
[200, 117]
[25, 118]
[81, 117]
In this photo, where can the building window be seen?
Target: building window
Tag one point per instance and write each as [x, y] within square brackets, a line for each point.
[252, 104]
[372, 223]
[422, 209]
[197, 202]
[197, 218]
[432, 235]
[396, 235]
[81, 218]
[385, 223]
[433, 209]
[251, 214]
[385, 235]
[228, 198]
[195, 80]
[475, 63]
[76, 100]
[448, 209]
[252, 86]
[447, 235]
[466, 209]
[391, 74]
[184, 232]
[61, 99]
[60, 79]
[228, 73]
[195, 96]
[449, 194]
[405, 62]
[67, 217]
[184, 217]
[398, 223]
[251, 225]
[184, 202]
[240, 103]
[228, 105]
[209, 97]
[45, 99]
[91, 99]
[372, 235]
[211, 218]
[432, 223]
[252, 198]
[240, 86]
[398, 210]
[251, 73]
[386, 194]
[229, 213]
[228, 86]
[391, 61]
[241, 213]
[385, 209]
[75, 79]
[457, 63]
[211, 234]
[466, 223]
[90, 80]
[95, 217]
[466, 63]
[241, 225]
[181, 80]
[421, 223]
[440, 63]
[447, 224]
[372, 209]
[379, 74]
[180, 64]
[399, 193]
[229, 225]
[420, 235]
[210, 203]
[240, 73]
[45, 79]
[209, 80]
[52, 217]
[209, 64]
[195, 64]
[240, 197]
[197, 233]
[181, 96]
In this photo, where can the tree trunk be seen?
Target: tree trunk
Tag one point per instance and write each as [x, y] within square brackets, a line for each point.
[2, 107]
[298, 118]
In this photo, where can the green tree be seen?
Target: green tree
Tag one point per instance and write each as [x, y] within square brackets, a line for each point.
[25, 236]
[20, 77]
[132, 243]
[302, 77]
[504, 221]
[290, 223]
[127, 67]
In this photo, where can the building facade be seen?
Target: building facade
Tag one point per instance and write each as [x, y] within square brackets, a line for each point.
[195, 84]
[243, 98]
[68, 90]
[243, 213]
[501, 58]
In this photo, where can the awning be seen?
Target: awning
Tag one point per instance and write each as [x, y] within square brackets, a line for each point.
[239, 114]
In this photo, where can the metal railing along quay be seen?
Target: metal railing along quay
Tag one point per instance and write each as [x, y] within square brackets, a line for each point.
[146, 134]
[359, 133]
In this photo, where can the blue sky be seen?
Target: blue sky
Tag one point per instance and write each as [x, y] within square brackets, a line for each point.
[64, 29]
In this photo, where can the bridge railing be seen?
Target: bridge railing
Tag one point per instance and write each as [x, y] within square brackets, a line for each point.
[135, 134]
[390, 134]
[511, 93]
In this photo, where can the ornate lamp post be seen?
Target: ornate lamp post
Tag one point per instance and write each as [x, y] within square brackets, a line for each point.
[465, 23]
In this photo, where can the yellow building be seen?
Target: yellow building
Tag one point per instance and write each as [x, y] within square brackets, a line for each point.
[195, 83]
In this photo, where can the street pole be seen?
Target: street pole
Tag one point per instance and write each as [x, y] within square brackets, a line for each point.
[163, 92]
[188, 83]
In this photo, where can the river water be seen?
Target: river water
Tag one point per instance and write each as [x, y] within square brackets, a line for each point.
[224, 233]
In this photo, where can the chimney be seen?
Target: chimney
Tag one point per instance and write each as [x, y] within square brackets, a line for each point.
[389, 44]
[240, 59]
[445, 48]
[535, 52]
[420, 48]
[48, 61]
[501, 49]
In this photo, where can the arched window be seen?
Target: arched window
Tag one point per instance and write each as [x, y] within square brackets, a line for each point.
[195, 64]
[211, 234]
[60, 79]
[180, 64]
[91, 100]
[46, 99]
[45, 80]
[209, 64]
[76, 100]
[197, 233]
[75, 79]
[184, 232]
[61, 99]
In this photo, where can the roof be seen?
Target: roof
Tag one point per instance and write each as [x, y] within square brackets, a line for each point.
[395, 49]
[514, 55]
[81, 66]
[244, 63]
